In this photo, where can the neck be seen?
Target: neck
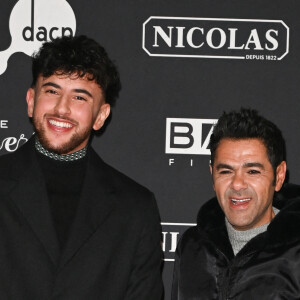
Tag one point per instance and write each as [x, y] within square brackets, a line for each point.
[239, 238]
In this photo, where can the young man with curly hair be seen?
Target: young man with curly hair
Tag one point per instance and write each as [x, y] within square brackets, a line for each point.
[72, 227]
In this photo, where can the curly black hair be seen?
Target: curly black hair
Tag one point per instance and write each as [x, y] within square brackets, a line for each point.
[78, 55]
[248, 124]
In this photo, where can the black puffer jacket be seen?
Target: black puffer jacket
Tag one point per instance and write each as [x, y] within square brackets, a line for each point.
[268, 267]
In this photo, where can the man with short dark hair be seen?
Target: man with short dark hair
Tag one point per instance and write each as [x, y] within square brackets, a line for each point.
[72, 227]
[246, 244]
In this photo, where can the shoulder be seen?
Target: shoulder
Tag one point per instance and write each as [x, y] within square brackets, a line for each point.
[125, 188]
[210, 217]
[125, 182]
[287, 192]
[10, 157]
[283, 229]
[14, 162]
[191, 235]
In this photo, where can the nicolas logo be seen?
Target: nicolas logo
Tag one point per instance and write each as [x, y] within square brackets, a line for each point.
[216, 38]
[33, 22]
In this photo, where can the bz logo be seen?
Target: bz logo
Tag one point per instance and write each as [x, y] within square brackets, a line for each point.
[188, 136]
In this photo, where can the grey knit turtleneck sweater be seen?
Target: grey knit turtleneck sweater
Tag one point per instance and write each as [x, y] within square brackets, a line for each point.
[239, 238]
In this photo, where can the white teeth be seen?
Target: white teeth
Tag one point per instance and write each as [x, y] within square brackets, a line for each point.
[60, 124]
[236, 201]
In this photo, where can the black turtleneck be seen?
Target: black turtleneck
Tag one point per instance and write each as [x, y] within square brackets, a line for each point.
[64, 181]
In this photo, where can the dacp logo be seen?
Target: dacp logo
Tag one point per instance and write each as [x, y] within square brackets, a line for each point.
[216, 38]
[33, 22]
[188, 136]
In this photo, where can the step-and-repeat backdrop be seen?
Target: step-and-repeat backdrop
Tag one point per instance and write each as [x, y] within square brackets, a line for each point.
[182, 63]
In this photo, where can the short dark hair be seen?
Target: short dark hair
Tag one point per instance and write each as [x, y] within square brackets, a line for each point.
[77, 55]
[248, 124]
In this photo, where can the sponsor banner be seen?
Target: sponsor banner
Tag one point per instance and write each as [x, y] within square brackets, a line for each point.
[253, 39]
[171, 233]
[188, 136]
[33, 22]
[10, 143]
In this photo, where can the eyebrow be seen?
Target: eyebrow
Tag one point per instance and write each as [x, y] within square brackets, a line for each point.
[223, 166]
[246, 165]
[82, 91]
[254, 164]
[51, 84]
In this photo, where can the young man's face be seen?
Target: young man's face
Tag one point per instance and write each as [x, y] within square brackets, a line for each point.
[243, 180]
[64, 110]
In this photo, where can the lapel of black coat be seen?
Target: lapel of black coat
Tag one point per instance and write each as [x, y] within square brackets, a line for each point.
[96, 203]
[30, 196]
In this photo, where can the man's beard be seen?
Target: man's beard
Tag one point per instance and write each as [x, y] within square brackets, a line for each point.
[76, 139]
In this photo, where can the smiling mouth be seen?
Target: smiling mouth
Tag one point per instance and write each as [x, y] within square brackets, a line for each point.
[239, 201]
[60, 124]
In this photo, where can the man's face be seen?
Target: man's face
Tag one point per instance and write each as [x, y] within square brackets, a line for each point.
[64, 110]
[243, 180]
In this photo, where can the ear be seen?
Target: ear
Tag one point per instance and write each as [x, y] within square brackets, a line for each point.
[211, 172]
[280, 175]
[101, 116]
[30, 101]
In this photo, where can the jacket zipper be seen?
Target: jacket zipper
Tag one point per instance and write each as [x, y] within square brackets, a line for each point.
[226, 279]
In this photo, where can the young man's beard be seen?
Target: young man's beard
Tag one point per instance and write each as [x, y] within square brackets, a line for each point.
[75, 140]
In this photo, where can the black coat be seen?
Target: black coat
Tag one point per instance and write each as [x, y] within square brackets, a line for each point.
[268, 267]
[113, 251]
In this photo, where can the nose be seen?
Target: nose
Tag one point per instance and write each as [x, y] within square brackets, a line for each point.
[238, 182]
[62, 106]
